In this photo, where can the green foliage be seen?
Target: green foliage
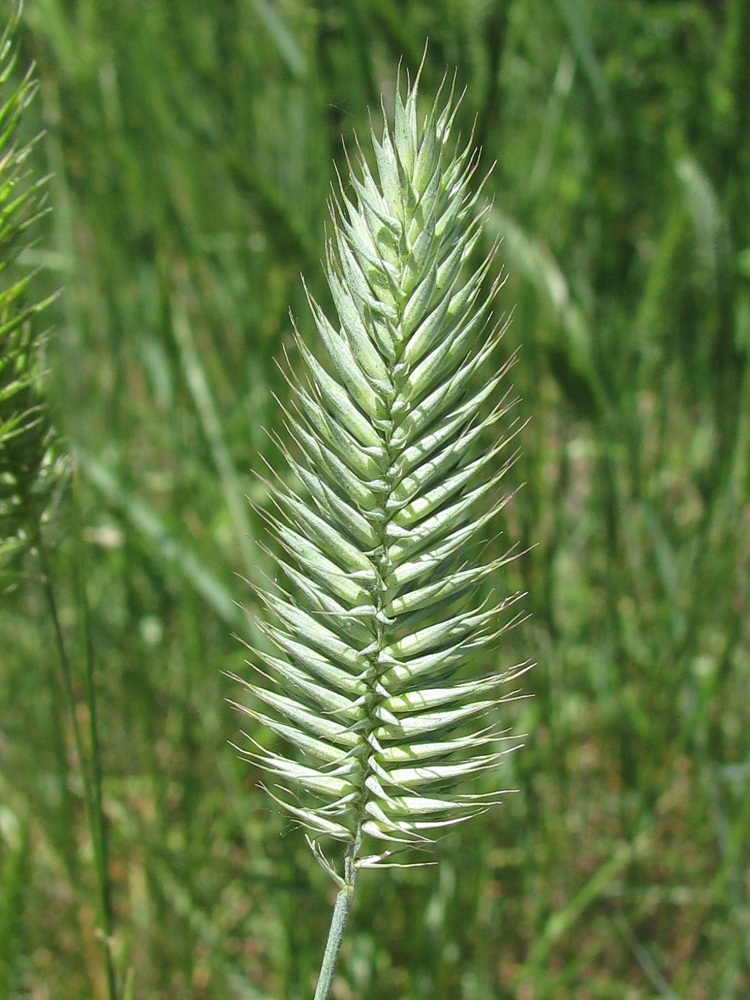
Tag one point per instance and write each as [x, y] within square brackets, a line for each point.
[189, 149]
[13, 877]
[27, 478]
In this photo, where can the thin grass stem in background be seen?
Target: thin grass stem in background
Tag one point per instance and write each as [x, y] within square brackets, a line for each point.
[30, 475]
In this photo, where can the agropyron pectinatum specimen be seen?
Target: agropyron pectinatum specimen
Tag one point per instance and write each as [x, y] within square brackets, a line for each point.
[397, 457]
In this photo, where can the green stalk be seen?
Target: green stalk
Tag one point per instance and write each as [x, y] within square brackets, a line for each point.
[335, 935]
[91, 777]
[97, 822]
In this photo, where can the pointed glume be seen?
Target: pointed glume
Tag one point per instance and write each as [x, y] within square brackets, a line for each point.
[381, 614]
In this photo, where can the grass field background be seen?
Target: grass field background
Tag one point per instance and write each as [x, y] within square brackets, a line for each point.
[191, 148]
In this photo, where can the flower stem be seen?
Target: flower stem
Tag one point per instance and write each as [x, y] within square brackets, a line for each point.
[91, 778]
[335, 936]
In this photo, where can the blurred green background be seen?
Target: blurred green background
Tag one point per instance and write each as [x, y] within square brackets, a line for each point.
[191, 147]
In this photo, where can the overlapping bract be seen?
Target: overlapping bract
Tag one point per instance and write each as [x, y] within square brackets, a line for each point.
[396, 483]
[27, 474]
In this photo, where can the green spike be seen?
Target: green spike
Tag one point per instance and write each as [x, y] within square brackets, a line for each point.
[396, 437]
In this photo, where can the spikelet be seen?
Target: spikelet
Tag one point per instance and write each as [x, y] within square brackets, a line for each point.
[380, 616]
[27, 472]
